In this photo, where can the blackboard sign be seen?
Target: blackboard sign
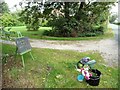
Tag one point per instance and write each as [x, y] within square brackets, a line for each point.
[23, 45]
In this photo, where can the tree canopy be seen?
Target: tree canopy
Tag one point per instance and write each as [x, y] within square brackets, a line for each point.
[76, 17]
[68, 18]
[4, 8]
[31, 14]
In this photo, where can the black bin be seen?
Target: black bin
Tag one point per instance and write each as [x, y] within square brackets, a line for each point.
[94, 80]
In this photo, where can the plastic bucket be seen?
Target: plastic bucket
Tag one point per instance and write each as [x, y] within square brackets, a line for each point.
[94, 80]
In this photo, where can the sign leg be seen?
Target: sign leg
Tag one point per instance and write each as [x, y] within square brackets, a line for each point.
[31, 55]
[23, 61]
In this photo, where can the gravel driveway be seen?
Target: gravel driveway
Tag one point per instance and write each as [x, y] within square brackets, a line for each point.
[108, 48]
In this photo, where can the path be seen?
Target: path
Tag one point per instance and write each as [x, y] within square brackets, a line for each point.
[108, 48]
[115, 29]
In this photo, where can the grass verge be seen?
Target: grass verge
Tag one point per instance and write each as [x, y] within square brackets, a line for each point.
[53, 69]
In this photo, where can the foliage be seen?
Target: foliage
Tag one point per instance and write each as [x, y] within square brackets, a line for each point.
[39, 34]
[31, 16]
[10, 19]
[4, 8]
[44, 22]
[6, 33]
[69, 19]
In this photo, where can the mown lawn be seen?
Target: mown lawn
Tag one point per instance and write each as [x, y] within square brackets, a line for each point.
[53, 69]
[39, 34]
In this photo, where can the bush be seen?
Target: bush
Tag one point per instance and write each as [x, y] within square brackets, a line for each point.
[98, 30]
[33, 26]
[81, 35]
[44, 23]
[63, 27]
[90, 34]
[8, 19]
[47, 33]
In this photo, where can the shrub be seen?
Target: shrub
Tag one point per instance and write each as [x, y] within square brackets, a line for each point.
[8, 19]
[63, 27]
[44, 23]
[46, 32]
[98, 30]
[90, 34]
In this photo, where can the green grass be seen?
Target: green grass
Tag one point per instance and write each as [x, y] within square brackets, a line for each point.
[31, 34]
[38, 34]
[43, 72]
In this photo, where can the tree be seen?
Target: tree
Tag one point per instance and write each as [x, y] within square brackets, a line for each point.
[67, 18]
[15, 6]
[31, 15]
[4, 8]
[10, 19]
[77, 18]
[20, 4]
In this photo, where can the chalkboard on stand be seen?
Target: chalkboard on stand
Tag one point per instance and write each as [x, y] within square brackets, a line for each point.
[23, 46]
